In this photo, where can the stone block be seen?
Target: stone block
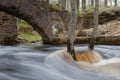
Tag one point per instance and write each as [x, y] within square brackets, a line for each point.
[8, 29]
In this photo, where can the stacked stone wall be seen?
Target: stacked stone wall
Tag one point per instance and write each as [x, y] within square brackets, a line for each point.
[8, 29]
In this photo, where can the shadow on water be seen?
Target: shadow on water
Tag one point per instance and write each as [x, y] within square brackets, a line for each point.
[42, 62]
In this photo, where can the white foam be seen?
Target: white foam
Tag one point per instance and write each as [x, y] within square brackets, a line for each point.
[107, 61]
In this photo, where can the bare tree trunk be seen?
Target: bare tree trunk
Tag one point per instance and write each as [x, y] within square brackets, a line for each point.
[92, 42]
[62, 3]
[92, 3]
[110, 2]
[59, 1]
[105, 2]
[89, 3]
[115, 3]
[71, 31]
[1, 20]
[83, 10]
[78, 4]
[83, 5]
[68, 7]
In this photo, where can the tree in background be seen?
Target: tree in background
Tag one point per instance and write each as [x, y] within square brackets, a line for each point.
[83, 10]
[71, 31]
[78, 4]
[105, 3]
[93, 38]
[83, 5]
[1, 21]
[92, 3]
[110, 1]
[115, 3]
[62, 3]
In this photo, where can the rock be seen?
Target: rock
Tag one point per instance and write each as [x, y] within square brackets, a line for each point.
[8, 29]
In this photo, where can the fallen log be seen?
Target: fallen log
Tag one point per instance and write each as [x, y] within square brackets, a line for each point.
[109, 40]
[106, 40]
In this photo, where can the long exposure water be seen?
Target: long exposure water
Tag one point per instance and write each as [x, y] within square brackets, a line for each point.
[42, 62]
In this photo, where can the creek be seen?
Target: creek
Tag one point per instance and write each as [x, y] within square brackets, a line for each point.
[42, 62]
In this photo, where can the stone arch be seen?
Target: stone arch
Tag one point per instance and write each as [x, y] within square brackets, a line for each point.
[26, 10]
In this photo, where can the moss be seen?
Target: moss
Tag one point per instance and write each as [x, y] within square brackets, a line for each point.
[24, 42]
[23, 24]
[29, 37]
[56, 7]
[89, 8]
[79, 13]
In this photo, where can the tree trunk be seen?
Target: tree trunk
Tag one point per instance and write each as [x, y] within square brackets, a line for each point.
[59, 1]
[68, 7]
[83, 5]
[110, 3]
[105, 2]
[92, 3]
[83, 10]
[62, 3]
[71, 31]
[78, 4]
[1, 19]
[115, 3]
[93, 38]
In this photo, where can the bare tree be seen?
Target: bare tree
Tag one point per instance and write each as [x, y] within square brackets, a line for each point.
[78, 4]
[83, 5]
[83, 10]
[71, 31]
[110, 1]
[68, 7]
[105, 2]
[115, 3]
[93, 38]
[88, 2]
[1, 21]
[62, 3]
[92, 3]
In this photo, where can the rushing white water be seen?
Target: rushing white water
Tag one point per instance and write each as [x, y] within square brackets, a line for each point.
[44, 63]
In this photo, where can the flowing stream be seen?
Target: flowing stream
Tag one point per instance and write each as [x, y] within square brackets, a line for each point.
[42, 62]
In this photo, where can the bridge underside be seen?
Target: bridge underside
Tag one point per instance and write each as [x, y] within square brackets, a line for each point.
[32, 12]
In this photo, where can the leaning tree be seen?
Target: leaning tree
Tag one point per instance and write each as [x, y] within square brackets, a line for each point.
[95, 29]
[71, 31]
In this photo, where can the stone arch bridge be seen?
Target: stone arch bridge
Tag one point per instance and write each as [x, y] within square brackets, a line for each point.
[38, 14]
[35, 12]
